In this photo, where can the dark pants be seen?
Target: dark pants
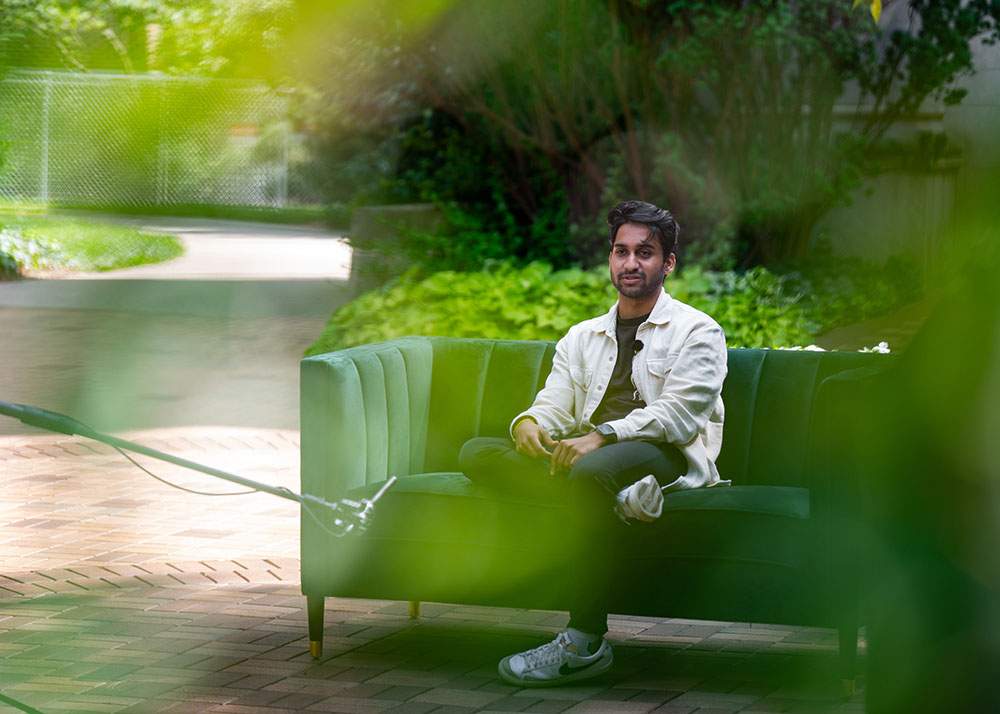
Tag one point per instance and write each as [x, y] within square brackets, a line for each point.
[589, 489]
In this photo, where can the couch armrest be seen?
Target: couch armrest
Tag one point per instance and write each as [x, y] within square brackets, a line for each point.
[364, 415]
[836, 432]
[840, 439]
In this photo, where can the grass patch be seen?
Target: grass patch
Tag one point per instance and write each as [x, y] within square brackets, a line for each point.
[42, 242]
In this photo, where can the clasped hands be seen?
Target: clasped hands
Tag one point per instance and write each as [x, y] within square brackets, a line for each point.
[533, 440]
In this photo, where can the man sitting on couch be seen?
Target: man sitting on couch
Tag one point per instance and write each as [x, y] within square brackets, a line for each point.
[632, 406]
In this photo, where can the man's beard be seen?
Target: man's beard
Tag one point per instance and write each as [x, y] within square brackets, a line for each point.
[644, 288]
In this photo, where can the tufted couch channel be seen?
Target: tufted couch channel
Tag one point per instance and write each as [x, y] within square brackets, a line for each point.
[774, 547]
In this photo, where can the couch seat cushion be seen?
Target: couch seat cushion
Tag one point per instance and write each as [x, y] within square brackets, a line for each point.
[759, 524]
[751, 524]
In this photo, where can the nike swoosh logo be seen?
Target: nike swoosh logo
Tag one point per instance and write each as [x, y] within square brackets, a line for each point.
[566, 670]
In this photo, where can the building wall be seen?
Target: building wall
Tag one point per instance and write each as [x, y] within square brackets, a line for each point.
[976, 124]
[915, 213]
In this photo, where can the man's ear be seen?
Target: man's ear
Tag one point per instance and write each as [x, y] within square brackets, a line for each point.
[669, 264]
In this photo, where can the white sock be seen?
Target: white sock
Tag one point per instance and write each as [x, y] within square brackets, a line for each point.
[584, 641]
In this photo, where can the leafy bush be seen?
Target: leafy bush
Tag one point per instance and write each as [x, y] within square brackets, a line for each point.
[440, 162]
[8, 268]
[839, 291]
[8, 263]
[755, 308]
[18, 252]
[468, 241]
[536, 302]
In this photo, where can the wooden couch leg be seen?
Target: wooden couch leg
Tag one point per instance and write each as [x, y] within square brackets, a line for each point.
[848, 658]
[414, 608]
[314, 611]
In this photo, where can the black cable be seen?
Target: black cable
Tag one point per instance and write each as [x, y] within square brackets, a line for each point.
[174, 485]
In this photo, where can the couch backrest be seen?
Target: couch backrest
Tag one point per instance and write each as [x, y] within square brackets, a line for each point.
[479, 385]
[406, 406]
[768, 396]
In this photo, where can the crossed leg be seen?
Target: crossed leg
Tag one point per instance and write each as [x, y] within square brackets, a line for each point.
[590, 489]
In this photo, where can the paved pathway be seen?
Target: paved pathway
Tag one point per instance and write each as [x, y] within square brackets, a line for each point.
[211, 338]
[265, 251]
[119, 593]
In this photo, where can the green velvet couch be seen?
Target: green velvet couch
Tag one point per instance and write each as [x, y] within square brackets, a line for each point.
[774, 547]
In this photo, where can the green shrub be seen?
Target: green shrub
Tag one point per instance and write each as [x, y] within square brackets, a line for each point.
[441, 162]
[755, 308]
[468, 241]
[18, 252]
[8, 264]
[536, 302]
[839, 291]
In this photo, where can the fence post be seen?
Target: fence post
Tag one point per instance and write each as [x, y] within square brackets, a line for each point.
[283, 190]
[279, 101]
[162, 166]
[44, 168]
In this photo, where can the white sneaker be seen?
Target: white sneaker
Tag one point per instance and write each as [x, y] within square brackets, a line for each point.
[642, 501]
[557, 662]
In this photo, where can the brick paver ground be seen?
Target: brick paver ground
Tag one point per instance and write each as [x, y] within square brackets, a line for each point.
[121, 594]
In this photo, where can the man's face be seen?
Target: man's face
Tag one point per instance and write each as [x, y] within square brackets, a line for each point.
[637, 263]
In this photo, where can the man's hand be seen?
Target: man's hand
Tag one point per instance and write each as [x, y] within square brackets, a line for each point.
[569, 451]
[531, 439]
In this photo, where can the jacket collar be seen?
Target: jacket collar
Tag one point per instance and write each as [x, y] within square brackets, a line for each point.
[662, 311]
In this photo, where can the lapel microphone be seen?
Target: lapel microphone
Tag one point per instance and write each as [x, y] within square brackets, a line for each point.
[637, 347]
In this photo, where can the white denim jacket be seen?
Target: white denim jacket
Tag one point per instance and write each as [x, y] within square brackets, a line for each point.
[678, 372]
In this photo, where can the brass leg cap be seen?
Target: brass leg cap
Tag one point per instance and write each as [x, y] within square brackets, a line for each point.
[315, 648]
[414, 608]
[848, 687]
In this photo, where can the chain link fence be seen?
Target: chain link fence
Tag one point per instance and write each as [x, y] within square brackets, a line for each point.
[146, 140]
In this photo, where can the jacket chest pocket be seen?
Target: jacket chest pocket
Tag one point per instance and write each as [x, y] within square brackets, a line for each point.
[660, 366]
[658, 369]
[581, 377]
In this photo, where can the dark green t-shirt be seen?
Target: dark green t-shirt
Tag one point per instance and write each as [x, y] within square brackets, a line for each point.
[622, 397]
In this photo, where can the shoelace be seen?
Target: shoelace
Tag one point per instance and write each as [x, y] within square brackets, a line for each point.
[549, 653]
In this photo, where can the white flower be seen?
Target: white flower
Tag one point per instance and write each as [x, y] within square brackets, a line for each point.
[880, 348]
[799, 348]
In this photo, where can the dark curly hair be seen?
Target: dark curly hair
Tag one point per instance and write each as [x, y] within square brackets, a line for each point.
[659, 221]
